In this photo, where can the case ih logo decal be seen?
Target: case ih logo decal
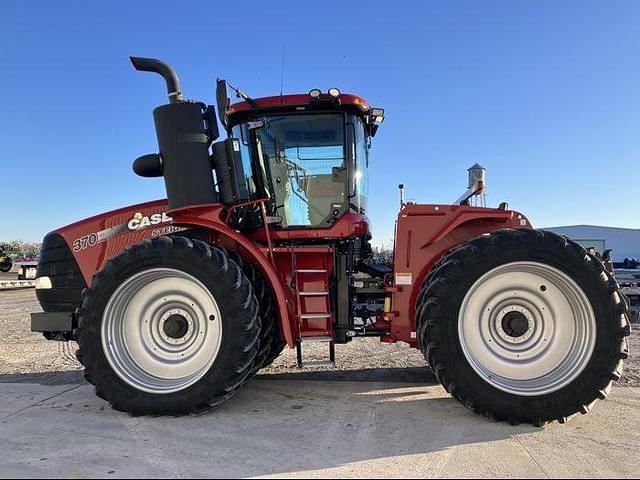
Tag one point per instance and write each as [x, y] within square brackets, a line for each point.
[138, 222]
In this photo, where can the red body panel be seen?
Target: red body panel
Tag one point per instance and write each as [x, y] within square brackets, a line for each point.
[298, 274]
[423, 234]
[347, 226]
[94, 240]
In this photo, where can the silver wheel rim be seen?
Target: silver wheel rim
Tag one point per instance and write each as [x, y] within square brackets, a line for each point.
[161, 330]
[527, 328]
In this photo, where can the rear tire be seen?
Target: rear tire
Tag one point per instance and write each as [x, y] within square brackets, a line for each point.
[520, 371]
[195, 280]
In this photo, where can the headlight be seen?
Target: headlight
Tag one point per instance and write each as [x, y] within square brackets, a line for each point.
[43, 283]
[377, 115]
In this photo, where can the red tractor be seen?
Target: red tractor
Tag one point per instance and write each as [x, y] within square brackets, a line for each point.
[263, 243]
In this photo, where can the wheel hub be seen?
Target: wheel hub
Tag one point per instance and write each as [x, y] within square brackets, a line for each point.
[515, 324]
[176, 325]
[527, 328]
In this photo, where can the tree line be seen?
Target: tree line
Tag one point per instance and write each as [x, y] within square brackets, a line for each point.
[20, 248]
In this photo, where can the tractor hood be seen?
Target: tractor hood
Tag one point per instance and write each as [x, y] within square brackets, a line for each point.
[94, 240]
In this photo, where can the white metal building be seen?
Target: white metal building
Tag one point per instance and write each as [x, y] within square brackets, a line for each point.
[625, 242]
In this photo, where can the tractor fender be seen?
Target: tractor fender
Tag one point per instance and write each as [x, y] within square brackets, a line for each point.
[424, 233]
[464, 226]
[207, 218]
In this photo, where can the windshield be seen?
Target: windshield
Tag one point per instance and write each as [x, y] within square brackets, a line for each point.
[302, 158]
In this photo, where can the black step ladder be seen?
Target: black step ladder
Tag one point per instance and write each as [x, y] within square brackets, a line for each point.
[331, 363]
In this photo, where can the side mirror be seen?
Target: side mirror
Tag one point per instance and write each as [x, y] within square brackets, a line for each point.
[222, 100]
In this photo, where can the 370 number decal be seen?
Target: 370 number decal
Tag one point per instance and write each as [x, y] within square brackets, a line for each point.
[85, 242]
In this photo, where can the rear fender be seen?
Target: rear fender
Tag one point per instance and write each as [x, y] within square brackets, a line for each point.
[424, 233]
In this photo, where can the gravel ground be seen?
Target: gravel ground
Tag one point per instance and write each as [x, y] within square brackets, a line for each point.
[22, 351]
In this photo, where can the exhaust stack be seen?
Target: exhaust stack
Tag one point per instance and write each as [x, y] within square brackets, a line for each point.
[165, 71]
[185, 129]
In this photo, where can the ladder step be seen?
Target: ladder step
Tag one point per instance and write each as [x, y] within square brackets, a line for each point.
[316, 339]
[310, 316]
[310, 271]
[313, 294]
[319, 363]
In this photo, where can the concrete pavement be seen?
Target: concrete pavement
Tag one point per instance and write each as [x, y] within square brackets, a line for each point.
[281, 426]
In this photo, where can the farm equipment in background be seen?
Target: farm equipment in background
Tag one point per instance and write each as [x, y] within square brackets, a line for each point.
[263, 242]
[6, 261]
[27, 269]
[628, 278]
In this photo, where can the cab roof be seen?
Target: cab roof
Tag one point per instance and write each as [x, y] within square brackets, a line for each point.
[287, 102]
[344, 102]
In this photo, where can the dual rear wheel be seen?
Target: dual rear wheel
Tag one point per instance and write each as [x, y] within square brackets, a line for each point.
[524, 326]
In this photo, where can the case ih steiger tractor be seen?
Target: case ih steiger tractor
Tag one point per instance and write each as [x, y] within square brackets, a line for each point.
[263, 243]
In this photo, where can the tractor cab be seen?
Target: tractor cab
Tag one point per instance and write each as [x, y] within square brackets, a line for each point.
[308, 155]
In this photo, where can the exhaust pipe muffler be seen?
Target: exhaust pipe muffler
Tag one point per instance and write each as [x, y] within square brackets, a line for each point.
[183, 142]
[165, 71]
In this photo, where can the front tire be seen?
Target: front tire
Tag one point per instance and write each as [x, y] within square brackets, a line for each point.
[168, 327]
[523, 326]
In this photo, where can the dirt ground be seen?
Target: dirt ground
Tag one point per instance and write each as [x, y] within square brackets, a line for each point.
[22, 351]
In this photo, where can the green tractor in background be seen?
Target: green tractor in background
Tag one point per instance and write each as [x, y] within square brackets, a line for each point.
[6, 259]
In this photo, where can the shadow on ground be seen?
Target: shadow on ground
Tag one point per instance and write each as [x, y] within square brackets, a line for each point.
[422, 376]
[64, 377]
[278, 424]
